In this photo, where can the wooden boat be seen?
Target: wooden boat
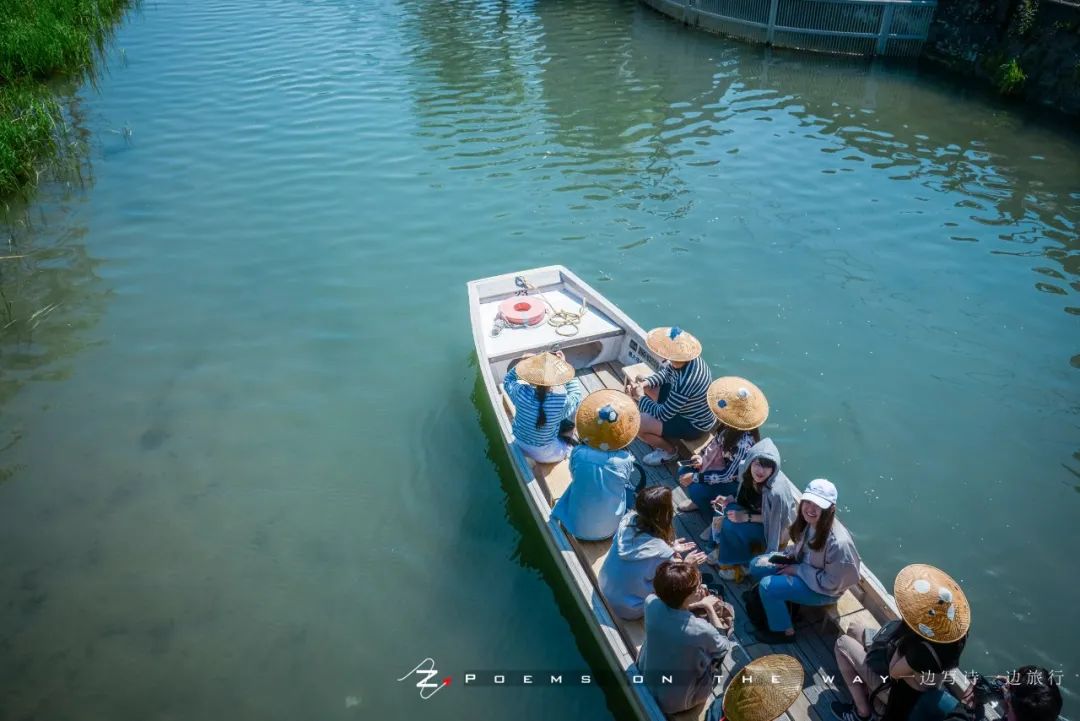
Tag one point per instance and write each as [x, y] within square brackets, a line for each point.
[606, 347]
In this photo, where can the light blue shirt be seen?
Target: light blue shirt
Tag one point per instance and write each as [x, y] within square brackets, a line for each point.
[595, 502]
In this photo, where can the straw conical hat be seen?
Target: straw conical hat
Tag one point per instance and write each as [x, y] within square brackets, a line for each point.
[545, 369]
[738, 403]
[931, 603]
[608, 420]
[764, 689]
[673, 344]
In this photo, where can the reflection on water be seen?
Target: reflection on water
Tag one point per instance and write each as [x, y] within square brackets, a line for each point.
[50, 293]
[245, 475]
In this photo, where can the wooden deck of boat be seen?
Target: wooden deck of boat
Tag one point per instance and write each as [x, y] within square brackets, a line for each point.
[815, 638]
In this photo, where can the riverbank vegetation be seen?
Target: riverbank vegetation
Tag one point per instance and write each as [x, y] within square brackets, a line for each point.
[42, 41]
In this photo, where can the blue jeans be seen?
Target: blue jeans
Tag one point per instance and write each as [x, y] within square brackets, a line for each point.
[703, 494]
[933, 705]
[736, 539]
[776, 591]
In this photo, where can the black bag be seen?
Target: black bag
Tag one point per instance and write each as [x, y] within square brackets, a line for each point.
[883, 646]
[755, 611]
[879, 653]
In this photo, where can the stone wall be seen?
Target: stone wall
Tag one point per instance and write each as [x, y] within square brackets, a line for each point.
[1029, 49]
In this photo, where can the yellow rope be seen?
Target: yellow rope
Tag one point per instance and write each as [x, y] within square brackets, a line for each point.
[565, 322]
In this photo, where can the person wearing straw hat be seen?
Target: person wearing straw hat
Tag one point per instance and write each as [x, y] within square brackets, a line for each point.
[600, 468]
[758, 515]
[679, 644]
[763, 690]
[893, 673]
[741, 409]
[645, 539]
[673, 401]
[544, 391]
[823, 565]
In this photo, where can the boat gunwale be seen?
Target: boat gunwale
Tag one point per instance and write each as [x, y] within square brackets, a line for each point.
[601, 622]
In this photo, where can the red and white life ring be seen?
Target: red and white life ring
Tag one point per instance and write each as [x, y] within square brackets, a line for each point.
[522, 310]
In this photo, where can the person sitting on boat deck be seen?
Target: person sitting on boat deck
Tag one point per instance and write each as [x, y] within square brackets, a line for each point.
[741, 409]
[1030, 693]
[760, 513]
[645, 539]
[601, 467]
[544, 391]
[823, 565]
[679, 644]
[762, 690]
[894, 672]
[673, 401]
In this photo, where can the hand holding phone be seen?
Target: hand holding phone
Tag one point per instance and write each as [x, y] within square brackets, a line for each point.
[780, 559]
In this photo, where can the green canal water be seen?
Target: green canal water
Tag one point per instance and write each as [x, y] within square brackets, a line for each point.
[246, 471]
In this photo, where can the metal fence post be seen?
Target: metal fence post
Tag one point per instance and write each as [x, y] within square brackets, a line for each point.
[772, 21]
[885, 29]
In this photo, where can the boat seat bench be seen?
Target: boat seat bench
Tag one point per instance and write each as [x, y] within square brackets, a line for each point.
[556, 477]
[593, 554]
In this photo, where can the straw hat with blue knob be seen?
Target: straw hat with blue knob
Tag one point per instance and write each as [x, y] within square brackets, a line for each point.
[673, 344]
[738, 403]
[764, 689]
[608, 420]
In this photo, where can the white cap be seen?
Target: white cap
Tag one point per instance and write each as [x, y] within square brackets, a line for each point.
[821, 492]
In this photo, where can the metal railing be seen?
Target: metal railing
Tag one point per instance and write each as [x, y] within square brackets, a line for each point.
[896, 28]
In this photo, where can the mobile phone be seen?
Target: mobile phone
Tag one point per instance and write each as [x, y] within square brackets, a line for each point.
[780, 559]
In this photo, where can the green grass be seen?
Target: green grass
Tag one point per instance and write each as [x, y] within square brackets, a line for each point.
[28, 118]
[41, 40]
[1010, 77]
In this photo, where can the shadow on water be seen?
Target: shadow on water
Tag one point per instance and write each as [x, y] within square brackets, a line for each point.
[531, 551]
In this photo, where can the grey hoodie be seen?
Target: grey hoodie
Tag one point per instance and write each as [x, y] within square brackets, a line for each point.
[778, 505]
[627, 574]
[833, 569]
[688, 648]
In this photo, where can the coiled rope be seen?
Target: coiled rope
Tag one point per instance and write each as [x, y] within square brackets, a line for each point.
[566, 323]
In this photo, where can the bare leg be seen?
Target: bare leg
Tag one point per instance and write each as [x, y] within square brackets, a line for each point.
[851, 659]
[650, 433]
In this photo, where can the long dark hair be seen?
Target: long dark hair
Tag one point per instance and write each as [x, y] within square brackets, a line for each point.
[730, 437]
[748, 475]
[655, 512]
[541, 395]
[822, 528]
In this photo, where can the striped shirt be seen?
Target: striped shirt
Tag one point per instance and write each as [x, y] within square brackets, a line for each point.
[713, 468]
[687, 394]
[561, 402]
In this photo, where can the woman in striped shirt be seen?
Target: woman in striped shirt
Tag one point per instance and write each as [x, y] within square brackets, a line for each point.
[673, 401]
[544, 392]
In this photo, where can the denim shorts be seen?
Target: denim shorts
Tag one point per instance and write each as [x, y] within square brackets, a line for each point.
[680, 428]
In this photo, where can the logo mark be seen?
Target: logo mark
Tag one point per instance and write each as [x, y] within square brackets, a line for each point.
[426, 671]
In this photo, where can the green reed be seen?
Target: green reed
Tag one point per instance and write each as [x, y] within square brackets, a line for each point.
[41, 40]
